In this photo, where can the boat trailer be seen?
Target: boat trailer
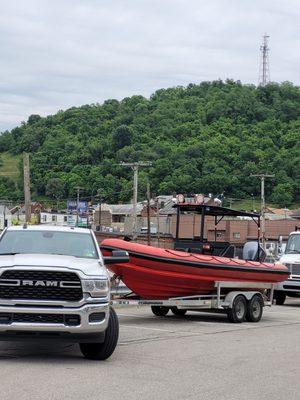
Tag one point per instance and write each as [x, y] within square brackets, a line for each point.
[241, 301]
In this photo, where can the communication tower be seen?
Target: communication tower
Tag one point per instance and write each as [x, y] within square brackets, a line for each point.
[264, 69]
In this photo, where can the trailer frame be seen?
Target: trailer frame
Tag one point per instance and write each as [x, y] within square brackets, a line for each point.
[215, 302]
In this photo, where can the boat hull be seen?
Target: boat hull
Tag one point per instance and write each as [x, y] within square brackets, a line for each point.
[155, 273]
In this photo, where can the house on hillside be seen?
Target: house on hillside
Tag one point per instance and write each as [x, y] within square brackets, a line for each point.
[18, 212]
[5, 216]
[278, 213]
[296, 214]
[111, 217]
[54, 218]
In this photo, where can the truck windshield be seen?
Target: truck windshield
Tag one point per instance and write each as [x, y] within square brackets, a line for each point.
[293, 245]
[48, 242]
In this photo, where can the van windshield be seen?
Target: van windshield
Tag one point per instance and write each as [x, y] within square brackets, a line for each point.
[48, 242]
[293, 245]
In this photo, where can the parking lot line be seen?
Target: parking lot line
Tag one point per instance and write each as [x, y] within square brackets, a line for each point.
[146, 328]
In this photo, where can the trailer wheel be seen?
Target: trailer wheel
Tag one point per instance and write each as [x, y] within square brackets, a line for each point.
[238, 311]
[178, 311]
[255, 309]
[279, 297]
[160, 311]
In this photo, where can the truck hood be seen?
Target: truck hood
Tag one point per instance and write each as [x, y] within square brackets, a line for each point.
[292, 258]
[87, 266]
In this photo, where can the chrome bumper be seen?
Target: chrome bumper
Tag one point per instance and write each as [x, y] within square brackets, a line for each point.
[290, 285]
[84, 327]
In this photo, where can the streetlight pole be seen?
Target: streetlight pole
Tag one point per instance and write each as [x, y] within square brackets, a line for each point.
[252, 201]
[100, 198]
[78, 188]
[27, 195]
[148, 215]
[263, 204]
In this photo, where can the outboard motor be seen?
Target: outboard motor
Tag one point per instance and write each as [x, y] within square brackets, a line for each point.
[250, 250]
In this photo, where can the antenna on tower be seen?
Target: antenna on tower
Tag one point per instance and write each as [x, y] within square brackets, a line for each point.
[264, 69]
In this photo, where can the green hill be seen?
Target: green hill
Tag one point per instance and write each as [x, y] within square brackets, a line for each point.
[201, 138]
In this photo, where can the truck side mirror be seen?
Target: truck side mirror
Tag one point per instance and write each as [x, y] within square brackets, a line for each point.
[117, 257]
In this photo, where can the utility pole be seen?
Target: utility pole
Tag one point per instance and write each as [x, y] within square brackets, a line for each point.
[264, 70]
[135, 167]
[148, 214]
[27, 196]
[78, 188]
[263, 204]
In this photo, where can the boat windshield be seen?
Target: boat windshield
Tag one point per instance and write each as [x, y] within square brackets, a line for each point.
[48, 242]
[293, 245]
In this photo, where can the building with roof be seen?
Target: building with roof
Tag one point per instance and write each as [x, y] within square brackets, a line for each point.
[111, 217]
[296, 214]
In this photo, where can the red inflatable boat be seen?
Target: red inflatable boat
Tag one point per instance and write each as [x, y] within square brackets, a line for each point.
[156, 273]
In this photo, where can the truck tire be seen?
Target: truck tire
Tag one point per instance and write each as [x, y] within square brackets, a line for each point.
[178, 311]
[280, 297]
[255, 309]
[237, 312]
[101, 351]
[160, 311]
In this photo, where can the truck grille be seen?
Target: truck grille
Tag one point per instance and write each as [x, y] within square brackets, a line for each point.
[40, 285]
[295, 269]
[70, 320]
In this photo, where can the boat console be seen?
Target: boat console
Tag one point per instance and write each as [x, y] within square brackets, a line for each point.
[200, 244]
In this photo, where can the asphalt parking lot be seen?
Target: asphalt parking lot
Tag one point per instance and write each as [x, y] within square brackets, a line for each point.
[199, 356]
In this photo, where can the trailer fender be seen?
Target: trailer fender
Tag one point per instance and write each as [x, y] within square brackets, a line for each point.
[229, 299]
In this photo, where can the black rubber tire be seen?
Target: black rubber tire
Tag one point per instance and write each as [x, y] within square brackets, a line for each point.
[237, 313]
[160, 311]
[280, 297]
[255, 309]
[101, 351]
[178, 311]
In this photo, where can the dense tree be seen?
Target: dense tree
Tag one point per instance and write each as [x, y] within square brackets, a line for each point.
[208, 137]
[55, 188]
[283, 194]
[122, 136]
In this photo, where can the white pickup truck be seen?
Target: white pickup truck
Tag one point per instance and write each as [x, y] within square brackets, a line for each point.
[54, 286]
[291, 259]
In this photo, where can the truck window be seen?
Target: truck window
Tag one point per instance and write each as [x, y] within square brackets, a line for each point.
[293, 244]
[48, 242]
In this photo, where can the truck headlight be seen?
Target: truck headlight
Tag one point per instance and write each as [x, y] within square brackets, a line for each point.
[96, 287]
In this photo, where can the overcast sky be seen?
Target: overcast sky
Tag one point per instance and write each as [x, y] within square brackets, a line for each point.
[61, 53]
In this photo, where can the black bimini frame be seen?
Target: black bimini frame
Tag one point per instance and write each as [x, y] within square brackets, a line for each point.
[218, 212]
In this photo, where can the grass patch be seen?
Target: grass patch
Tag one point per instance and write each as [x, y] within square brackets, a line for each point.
[247, 204]
[10, 166]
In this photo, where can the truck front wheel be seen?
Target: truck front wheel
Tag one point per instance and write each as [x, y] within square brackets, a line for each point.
[279, 297]
[101, 351]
